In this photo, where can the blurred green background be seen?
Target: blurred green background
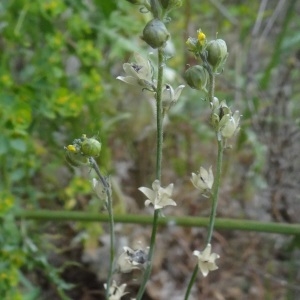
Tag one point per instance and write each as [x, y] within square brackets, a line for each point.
[59, 61]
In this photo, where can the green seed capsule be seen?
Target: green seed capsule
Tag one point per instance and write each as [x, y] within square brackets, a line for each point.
[90, 147]
[196, 77]
[216, 53]
[155, 33]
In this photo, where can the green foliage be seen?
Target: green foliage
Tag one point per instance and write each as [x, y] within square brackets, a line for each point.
[50, 84]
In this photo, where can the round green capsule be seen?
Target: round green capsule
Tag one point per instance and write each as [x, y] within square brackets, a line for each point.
[90, 147]
[155, 34]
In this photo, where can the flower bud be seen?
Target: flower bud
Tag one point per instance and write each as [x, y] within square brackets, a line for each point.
[155, 33]
[216, 53]
[196, 77]
[192, 44]
[90, 147]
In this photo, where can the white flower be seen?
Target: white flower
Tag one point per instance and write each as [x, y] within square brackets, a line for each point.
[158, 196]
[116, 292]
[204, 180]
[231, 125]
[139, 73]
[131, 259]
[206, 260]
[223, 120]
[169, 96]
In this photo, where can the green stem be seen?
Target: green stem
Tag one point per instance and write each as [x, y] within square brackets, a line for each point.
[215, 194]
[192, 280]
[212, 218]
[211, 88]
[159, 114]
[159, 145]
[186, 221]
[94, 165]
[215, 191]
[155, 9]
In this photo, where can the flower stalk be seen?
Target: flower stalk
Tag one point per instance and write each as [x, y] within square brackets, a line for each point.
[159, 145]
[109, 208]
[215, 190]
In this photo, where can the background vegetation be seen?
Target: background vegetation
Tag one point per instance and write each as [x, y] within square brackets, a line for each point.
[58, 64]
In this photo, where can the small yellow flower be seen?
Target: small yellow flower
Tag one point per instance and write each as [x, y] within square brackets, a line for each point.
[201, 37]
[71, 148]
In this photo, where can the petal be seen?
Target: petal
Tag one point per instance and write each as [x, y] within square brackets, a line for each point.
[148, 202]
[203, 173]
[156, 185]
[196, 252]
[212, 266]
[148, 193]
[140, 59]
[129, 80]
[128, 250]
[210, 179]
[206, 252]
[178, 92]
[145, 71]
[236, 116]
[213, 257]
[169, 189]
[124, 264]
[129, 70]
[203, 268]
[165, 202]
[158, 206]
[198, 182]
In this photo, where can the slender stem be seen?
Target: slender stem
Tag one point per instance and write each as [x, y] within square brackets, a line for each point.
[106, 185]
[159, 145]
[215, 191]
[215, 194]
[192, 280]
[159, 114]
[212, 218]
[45, 215]
[155, 9]
[211, 88]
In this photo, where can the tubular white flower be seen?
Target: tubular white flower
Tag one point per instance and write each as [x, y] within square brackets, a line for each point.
[203, 181]
[206, 260]
[231, 125]
[116, 292]
[132, 259]
[139, 73]
[170, 96]
[159, 197]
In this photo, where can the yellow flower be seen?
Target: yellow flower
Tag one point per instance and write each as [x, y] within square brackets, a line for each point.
[71, 148]
[201, 37]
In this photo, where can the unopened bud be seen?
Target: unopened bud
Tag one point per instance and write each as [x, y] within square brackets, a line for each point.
[192, 44]
[196, 77]
[216, 53]
[90, 147]
[155, 34]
